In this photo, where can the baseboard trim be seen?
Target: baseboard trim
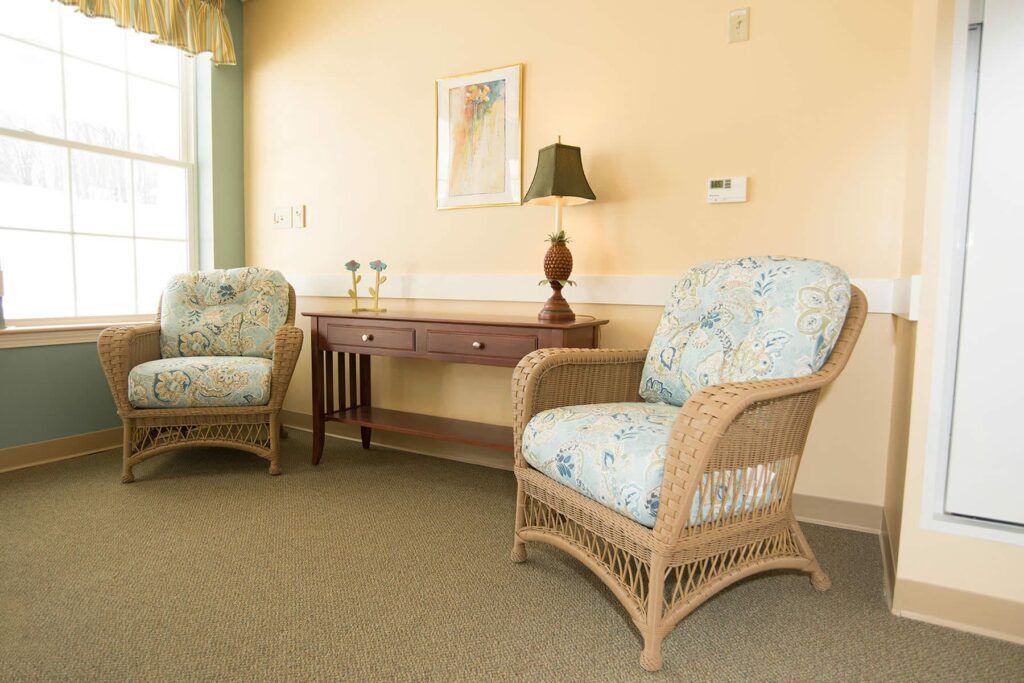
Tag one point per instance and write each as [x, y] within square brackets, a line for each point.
[811, 509]
[41, 452]
[961, 610]
[844, 514]
[484, 457]
[888, 562]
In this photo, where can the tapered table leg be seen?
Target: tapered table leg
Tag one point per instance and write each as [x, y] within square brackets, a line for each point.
[364, 395]
[317, 360]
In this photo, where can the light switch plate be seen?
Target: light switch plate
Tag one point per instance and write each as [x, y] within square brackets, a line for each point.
[739, 25]
[282, 217]
[299, 216]
[724, 190]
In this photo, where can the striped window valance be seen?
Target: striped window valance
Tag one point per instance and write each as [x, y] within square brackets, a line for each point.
[193, 26]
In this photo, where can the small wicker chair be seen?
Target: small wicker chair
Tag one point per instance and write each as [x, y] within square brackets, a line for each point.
[256, 428]
[661, 574]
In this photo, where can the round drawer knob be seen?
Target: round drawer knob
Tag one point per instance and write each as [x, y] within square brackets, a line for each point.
[478, 345]
[367, 337]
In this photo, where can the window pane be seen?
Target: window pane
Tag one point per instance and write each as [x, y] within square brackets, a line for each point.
[33, 185]
[37, 274]
[97, 39]
[101, 197]
[31, 20]
[154, 118]
[146, 58]
[96, 104]
[30, 83]
[104, 275]
[157, 261]
[161, 201]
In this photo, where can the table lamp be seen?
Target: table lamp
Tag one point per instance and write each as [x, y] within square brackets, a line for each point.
[558, 181]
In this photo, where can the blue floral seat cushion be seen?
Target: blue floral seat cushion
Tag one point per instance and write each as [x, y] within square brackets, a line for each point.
[233, 312]
[738, 320]
[200, 382]
[614, 453]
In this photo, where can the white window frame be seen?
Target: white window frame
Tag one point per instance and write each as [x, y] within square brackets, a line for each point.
[46, 331]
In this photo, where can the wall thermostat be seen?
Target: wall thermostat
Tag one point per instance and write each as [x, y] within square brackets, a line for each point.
[733, 189]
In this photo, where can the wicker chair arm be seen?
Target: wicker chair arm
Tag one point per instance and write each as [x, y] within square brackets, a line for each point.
[549, 378]
[287, 344]
[121, 348]
[702, 423]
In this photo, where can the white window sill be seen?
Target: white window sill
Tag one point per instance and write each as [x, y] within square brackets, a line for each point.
[55, 331]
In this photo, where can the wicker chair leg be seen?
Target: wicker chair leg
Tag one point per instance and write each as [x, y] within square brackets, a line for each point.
[126, 454]
[650, 658]
[518, 545]
[275, 445]
[819, 577]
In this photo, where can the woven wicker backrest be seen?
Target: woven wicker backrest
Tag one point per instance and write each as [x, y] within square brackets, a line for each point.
[739, 320]
[232, 312]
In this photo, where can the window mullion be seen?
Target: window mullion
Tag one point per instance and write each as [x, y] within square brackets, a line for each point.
[131, 184]
[70, 176]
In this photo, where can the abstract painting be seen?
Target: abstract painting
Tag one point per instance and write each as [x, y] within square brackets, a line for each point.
[479, 138]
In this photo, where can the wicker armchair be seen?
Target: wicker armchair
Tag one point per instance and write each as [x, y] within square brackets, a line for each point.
[241, 422]
[663, 573]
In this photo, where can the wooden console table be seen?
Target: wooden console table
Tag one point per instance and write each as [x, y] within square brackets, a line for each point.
[341, 386]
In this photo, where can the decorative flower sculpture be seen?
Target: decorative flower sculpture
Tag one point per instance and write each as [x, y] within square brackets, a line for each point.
[352, 267]
[378, 267]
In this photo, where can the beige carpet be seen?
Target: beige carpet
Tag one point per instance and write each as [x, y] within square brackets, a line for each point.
[385, 565]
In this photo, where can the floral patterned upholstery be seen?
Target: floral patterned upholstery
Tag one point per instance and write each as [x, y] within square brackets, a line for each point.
[200, 382]
[614, 453]
[223, 313]
[745, 319]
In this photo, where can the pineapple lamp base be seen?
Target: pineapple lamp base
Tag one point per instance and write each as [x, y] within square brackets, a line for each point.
[556, 308]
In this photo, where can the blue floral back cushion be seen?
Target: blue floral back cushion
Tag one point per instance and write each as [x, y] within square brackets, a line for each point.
[233, 312]
[764, 317]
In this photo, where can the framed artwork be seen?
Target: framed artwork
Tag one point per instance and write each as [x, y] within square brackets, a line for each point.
[479, 146]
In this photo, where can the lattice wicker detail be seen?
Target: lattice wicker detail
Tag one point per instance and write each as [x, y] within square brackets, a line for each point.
[630, 572]
[255, 436]
[686, 580]
[660, 575]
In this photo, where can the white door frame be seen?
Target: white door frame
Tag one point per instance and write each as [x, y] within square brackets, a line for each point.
[949, 287]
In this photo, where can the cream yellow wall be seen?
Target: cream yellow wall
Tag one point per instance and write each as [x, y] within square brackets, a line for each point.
[941, 576]
[339, 116]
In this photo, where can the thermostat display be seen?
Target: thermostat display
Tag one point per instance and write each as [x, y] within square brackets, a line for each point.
[721, 190]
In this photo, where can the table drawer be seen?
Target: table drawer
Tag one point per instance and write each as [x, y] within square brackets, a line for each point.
[481, 344]
[372, 337]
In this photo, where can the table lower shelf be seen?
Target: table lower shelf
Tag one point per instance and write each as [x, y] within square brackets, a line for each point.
[444, 428]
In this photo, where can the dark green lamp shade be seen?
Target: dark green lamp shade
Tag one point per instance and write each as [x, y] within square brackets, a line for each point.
[559, 174]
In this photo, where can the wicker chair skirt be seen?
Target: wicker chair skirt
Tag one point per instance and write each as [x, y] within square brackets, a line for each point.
[153, 435]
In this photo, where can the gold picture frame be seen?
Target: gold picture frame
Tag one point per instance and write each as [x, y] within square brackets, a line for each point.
[478, 147]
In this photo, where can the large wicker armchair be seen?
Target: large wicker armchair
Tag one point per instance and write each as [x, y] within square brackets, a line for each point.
[213, 369]
[669, 471]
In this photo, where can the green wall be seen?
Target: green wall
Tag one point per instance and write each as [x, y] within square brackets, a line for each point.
[220, 143]
[49, 392]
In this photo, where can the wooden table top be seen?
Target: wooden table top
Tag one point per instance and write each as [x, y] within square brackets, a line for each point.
[458, 318]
